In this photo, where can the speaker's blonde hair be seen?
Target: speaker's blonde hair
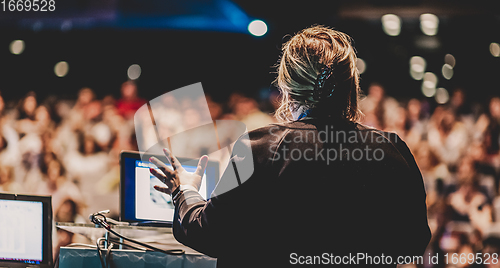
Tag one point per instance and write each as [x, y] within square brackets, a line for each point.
[304, 55]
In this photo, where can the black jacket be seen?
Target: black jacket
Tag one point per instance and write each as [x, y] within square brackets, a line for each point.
[319, 189]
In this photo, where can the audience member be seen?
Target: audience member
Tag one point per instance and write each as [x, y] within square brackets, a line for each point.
[377, 107]
[129, 102]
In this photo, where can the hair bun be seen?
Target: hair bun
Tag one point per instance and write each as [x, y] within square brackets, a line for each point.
[325, 83]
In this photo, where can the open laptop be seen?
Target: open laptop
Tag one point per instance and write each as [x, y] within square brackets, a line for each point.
[140, 203]
[25, 231]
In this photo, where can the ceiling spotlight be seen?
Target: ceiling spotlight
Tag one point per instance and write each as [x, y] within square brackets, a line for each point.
[495, 49]
[361, 65]
[61, 69]
[16, 47]
[391, 24]
[447, 71]
[428, 92]
[429, 24]
[417, 67]
[442, 96]
[430, 80]
[134, 71]
[429, 84]
[450, 59]
[257, 28]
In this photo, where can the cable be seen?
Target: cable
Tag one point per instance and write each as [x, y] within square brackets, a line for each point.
[128, 245]
[99, 219]
[169, 252]
[117, 222]
[104, 264]
[108, 254]
[99, 252]
[110, 239]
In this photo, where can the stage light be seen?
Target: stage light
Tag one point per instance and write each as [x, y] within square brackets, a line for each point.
[447, 71]
[429, 24]
[134, 71]
[416, 75]
[495, 49]
[450, 59]
[418, 64]
[391, 24]
[428, 92]
[16, 47]
[61, 69]
[257, 28]
[429, 84]
[442, 96]
[417, 67]
[430, 80]
[361, 65]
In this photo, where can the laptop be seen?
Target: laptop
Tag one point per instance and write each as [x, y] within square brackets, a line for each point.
[25, 231]
[140, 203]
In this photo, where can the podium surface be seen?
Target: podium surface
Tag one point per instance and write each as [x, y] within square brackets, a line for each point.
[71, 257]
[83, 257]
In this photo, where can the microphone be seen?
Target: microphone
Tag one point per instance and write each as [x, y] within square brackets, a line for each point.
[99, 221]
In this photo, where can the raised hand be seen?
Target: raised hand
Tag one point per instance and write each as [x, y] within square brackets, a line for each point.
[173, 178]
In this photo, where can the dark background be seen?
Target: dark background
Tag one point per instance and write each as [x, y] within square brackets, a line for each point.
[105, 37]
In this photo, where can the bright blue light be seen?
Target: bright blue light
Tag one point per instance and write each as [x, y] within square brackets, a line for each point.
[257, 28]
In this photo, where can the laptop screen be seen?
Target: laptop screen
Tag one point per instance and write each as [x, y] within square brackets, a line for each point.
[24, 229]
[140, 201]
[21, 232]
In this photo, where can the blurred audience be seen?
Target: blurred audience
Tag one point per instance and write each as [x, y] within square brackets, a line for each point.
[458, 152]
[70, 149]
